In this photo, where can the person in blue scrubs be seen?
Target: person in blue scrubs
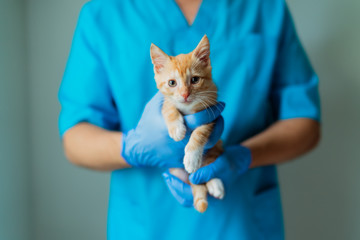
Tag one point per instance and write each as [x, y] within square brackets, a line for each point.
[272, 112]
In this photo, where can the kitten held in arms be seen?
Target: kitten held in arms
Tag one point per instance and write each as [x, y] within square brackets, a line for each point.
[186, 83]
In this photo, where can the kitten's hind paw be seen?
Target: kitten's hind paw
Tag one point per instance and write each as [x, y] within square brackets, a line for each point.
[216, 188]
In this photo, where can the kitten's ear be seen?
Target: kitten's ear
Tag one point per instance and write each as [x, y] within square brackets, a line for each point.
[202, 51]
[158, 58]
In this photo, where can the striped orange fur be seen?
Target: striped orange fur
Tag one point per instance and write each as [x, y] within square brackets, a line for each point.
[186, 83]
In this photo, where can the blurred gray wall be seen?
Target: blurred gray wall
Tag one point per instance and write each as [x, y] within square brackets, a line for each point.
[14, 144]
[67, 202]
[320, 191]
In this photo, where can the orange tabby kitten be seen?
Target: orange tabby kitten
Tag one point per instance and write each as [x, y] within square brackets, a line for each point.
[186, 83]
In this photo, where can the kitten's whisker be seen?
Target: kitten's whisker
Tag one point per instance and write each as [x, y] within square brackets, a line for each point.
[212, 103]
[209, 100]
[216, 104]
[212, 98]
[208, 107]
[209, 92]
[218, 107]
[205, 107]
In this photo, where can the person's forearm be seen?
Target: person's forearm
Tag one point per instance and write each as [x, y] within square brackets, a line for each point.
[283, 141]
[92, 147]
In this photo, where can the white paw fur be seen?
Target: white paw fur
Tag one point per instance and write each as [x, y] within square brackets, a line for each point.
[177, 130]
[216, 188]
[193, 159]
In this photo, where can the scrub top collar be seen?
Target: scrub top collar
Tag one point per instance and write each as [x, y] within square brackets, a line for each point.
[202, 21]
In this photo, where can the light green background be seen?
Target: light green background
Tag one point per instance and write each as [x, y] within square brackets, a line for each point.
[43, 197]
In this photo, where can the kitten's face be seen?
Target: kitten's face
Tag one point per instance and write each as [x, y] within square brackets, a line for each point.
[185, 79]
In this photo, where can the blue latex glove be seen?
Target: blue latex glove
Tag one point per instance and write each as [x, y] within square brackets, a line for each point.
[234, 162]
[180, 190]
[149, 144]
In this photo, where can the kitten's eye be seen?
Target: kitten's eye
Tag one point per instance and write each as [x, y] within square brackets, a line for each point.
[195, 80]
[172, 83]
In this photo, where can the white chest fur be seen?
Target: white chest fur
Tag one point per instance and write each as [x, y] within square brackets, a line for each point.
[186, 108]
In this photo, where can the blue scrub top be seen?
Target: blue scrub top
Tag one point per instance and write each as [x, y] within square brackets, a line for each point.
[262, 74]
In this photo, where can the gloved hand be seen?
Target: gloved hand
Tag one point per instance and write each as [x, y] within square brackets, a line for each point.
[149, 144]
[180, 190]
[234, 162]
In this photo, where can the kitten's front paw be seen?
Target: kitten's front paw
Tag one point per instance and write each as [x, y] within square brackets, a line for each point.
[216, 188]
[177, 131]
[193, 159]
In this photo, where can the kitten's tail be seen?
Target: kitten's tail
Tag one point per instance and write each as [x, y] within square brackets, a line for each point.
[199, 191]
[200, 197]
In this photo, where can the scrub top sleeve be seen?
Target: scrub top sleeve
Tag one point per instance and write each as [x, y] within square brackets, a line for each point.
[295, 84]
[85, 94]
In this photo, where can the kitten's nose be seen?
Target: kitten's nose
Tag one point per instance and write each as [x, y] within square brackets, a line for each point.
[185, 96]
